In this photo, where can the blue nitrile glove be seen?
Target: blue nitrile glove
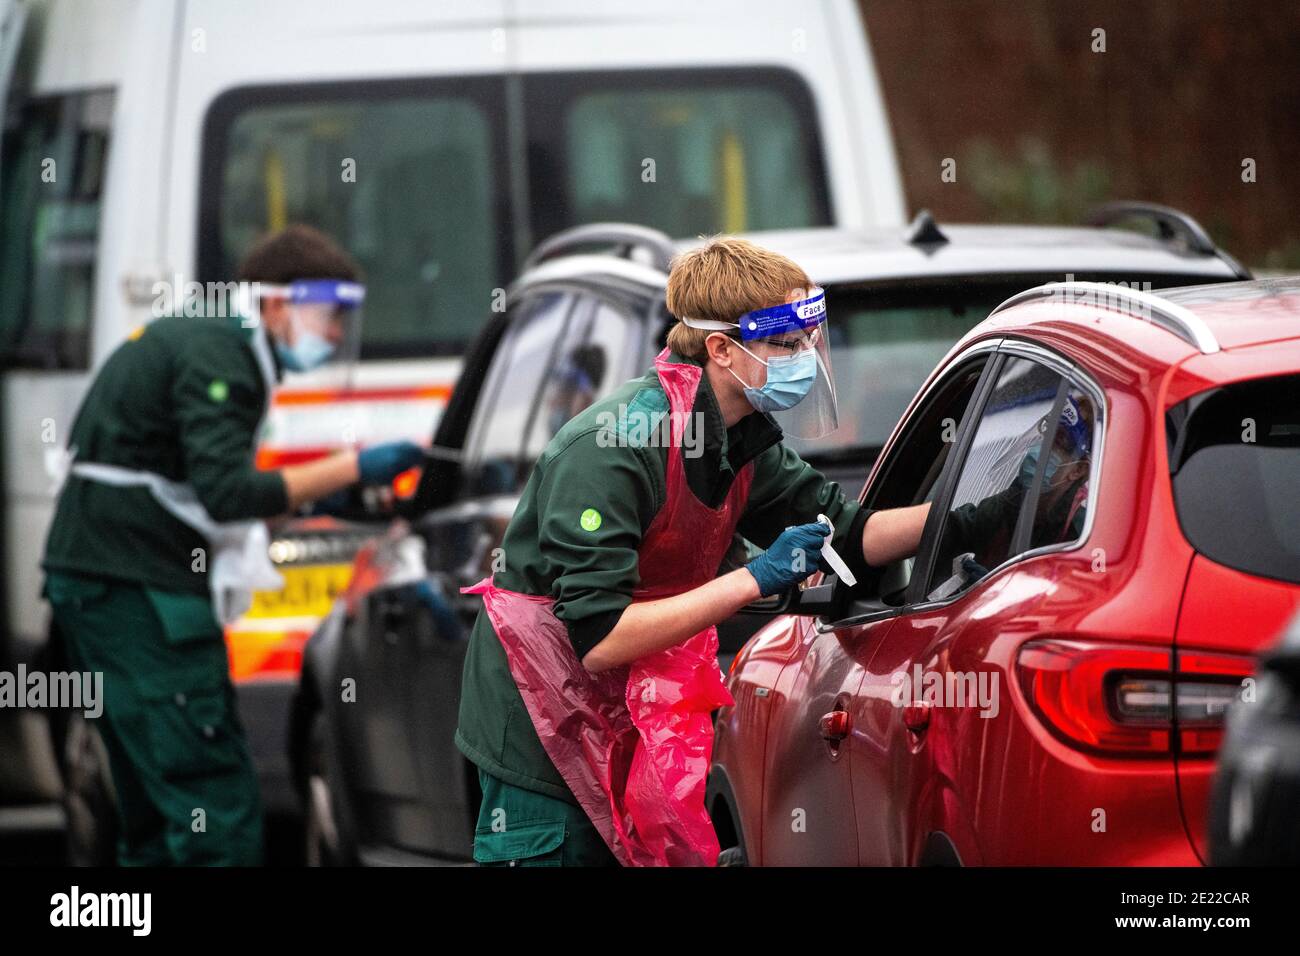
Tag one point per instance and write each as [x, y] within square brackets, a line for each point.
[380, 464]
[332, 505]
[791, 558]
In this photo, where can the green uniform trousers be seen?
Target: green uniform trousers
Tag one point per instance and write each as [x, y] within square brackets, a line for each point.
[519, 827]
[187, 792]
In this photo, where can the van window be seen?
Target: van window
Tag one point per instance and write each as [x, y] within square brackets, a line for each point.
[407, 176]
[689, 152]
[1236, 468]
[53, 161]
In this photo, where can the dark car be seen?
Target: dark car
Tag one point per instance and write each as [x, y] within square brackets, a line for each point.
[1255, 806]
[371, 739]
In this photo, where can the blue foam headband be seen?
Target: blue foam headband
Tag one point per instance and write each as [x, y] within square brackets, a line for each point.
[333, 291]
[779, 319]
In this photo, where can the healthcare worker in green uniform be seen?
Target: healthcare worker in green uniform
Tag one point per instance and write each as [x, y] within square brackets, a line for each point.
[598, 586]
[158, 539]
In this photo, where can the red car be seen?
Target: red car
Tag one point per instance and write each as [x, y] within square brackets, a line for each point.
[1114, 531]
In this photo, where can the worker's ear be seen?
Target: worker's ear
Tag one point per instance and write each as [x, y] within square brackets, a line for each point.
[275, 316]
[720, 348]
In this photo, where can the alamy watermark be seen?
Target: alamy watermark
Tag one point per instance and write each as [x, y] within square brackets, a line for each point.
[637, 428]
[199, 299]
[64, 690]
[973, 689]
[1104, 295]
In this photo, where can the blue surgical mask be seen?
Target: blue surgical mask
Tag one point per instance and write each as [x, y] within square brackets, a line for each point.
[1030, 462]
[309, 350]
[789, 379]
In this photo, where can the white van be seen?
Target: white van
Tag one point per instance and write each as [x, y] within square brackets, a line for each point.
[151, 141]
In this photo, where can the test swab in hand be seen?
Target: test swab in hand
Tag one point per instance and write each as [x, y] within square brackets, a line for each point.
[832, 556]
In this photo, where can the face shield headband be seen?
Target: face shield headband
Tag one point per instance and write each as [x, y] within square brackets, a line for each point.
[802, 316]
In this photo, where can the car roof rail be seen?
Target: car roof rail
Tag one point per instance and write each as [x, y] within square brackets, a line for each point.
[1170, 224]
[626, 237]
[1140, 305]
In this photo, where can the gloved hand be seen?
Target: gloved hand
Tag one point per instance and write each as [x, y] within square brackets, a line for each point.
[380, 464]
[333, 505]
[792, 557]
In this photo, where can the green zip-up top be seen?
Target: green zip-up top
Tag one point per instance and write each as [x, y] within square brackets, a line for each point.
[181, 398]
[580, 520]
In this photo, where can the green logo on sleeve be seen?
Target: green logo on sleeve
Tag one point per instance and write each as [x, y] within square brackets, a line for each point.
[590, 519]
[218, 390]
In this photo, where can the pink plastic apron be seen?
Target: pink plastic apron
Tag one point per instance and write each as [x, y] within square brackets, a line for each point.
[633, 743]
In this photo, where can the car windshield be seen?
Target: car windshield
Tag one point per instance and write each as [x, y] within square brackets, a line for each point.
[885, 340]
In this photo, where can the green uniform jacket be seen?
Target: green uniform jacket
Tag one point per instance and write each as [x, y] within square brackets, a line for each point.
[182, 399]
[609, 460]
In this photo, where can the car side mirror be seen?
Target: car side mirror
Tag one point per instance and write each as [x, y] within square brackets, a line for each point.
[815, 601]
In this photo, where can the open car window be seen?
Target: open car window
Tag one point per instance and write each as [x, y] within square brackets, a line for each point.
[978, 531]
[910, 473]
[1024, 482]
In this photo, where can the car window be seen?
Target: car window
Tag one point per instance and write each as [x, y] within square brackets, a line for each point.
[520, 368]
[690, 152]
[909, 474]
[54, 159]
[1059, 498]
[587, 367]
[978, 532]
[1236, 468]
[407, 176]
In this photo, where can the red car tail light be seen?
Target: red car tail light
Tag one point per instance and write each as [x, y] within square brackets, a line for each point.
[1208, 683]
[1126, 699]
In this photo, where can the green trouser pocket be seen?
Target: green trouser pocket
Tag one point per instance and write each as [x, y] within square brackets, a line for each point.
[525, 844]
[194, 733]
[520, 827]
[184, 617]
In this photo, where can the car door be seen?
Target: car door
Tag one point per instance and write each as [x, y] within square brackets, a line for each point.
[810, 815]
[564, 350]
[931, 695]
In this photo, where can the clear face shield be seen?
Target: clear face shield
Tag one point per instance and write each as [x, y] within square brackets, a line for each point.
[1071, 448]
[791, 375]
[323, 327]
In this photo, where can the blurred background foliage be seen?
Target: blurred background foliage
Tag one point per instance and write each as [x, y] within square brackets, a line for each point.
[1043, 128]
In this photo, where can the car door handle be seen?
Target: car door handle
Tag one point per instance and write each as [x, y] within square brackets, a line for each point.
[916, 717]
[835, 726]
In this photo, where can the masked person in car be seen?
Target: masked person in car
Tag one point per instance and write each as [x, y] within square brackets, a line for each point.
[592, 671]
[158, 538]
[978, 535]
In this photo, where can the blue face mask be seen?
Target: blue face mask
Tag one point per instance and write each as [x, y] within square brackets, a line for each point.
[309, 351]
[789, 379]
[1030, 463]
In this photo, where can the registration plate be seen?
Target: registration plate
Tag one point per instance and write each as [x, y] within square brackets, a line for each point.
[308, 591]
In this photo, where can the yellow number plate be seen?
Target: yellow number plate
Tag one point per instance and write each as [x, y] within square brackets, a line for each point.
[307, 591]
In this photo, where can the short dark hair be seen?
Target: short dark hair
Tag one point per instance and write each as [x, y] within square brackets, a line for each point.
[297, 252]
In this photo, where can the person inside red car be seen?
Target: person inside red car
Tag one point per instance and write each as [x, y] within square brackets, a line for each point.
[977, 535]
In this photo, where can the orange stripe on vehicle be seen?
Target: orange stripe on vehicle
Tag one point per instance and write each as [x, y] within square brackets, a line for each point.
[268, 459]
[328, 396]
